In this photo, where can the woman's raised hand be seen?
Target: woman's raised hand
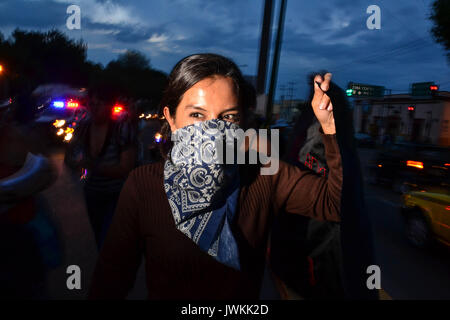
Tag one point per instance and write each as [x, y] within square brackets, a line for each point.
[321, 103]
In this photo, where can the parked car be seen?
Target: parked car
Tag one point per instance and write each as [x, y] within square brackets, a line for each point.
[427, 217]
[407, 166]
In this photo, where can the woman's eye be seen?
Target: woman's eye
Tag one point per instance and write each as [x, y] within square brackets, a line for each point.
[196, 115]
[231, 117]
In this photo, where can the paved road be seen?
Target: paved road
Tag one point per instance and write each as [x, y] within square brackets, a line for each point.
[406, 272]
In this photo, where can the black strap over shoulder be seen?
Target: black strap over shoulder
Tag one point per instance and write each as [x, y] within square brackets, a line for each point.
[105, 142]
[107, 138]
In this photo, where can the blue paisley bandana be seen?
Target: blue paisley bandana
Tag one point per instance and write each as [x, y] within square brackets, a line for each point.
[201, 190]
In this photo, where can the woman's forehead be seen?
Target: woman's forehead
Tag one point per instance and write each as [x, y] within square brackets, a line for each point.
[215, 91]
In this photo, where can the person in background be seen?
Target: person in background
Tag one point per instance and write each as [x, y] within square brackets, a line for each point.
[103, 151]
[326, 257]
[27, 234]
[150, 138]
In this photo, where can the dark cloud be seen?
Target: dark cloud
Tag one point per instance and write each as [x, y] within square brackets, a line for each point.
[327, 35]
[32, 14]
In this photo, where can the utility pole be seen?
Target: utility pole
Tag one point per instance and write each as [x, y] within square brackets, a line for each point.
[276, 58]
[264, 47]
[282, 89]
[291, 89]
[291, 96]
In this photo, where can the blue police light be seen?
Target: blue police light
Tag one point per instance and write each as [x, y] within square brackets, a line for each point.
[58, 104]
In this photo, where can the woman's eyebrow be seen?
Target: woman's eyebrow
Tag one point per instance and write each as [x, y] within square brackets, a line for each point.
[230, 109]
[191, 106]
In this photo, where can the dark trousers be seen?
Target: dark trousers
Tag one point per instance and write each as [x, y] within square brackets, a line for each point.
[100, 207]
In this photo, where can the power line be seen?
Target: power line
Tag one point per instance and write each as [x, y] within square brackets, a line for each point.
[404, 25]
[420, 41]
[415, 44]
[392, 50]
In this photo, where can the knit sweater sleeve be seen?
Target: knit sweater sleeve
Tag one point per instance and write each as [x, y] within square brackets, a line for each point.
[121, 254]
[304, 192]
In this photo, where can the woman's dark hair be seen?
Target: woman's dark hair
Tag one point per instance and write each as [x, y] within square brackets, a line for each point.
[192, 69]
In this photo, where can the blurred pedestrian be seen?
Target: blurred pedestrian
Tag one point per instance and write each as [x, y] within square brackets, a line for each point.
[26, 233]
[149, 139]
[103, 151]
[305, 253]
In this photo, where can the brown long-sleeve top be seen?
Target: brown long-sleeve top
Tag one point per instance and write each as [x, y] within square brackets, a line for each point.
[175, 266]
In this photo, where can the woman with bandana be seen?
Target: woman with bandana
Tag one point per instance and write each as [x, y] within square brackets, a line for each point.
[202, 223]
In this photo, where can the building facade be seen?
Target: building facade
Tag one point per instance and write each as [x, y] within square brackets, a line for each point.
[403, 117]
[287, 109]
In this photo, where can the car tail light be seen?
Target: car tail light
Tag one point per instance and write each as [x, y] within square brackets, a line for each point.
[117, 111]
[415, 164]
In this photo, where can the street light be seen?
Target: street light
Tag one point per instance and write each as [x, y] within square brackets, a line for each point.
[1, 68]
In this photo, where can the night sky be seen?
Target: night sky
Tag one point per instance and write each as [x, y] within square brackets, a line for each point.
[318, 35]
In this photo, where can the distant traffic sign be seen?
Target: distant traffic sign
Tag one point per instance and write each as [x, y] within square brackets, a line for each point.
[364, 90]
[423, 89]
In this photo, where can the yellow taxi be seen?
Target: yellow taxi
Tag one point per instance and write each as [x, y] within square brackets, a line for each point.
[427, 217]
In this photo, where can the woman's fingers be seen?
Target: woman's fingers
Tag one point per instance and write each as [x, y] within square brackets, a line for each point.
[330, 107]
[326, 82]
[321, 85]
[324, 102]
[318, 81]
[318, 93]
[321, 103]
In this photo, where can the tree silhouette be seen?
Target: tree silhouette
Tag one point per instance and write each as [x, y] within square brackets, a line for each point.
[440, 16]
[132, 74]
[33, 58]
[133, 59]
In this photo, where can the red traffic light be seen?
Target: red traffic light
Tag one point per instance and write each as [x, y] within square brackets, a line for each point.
[434, 88]
[411, 108]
